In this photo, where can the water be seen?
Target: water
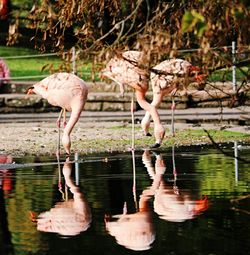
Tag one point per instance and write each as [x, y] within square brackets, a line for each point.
[190, 200]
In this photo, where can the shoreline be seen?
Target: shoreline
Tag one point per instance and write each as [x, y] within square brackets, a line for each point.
[41, 138]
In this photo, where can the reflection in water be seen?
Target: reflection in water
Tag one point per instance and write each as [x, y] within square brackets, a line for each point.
[6, 187]
[170, 203]
[143, 205]
[70, 217]
[6, 181]
[134, 231]
[236, 161]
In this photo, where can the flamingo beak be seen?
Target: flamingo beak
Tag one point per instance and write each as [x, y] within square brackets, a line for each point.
[200, 77]
[33, 216]
[30, 91]
[201, 205]
[194, 69]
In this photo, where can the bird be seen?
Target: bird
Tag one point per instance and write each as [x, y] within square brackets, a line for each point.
[167, 78]
[169, 202]
[69, 216]
[65, 90]
[125, 71]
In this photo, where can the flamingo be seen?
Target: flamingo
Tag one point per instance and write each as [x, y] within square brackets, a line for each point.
[170, 203]
[125, 71]
[67, 91]
[69, 217]
[135, 231]
[167, 78]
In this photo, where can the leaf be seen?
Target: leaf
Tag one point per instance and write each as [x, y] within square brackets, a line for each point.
[202, 27]
[193, 21]
[186, 22]
[198, 16]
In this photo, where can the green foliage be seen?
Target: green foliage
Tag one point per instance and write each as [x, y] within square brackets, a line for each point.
[158, 28]
[193, 21]
[23, 4]
[226, 75]
[219, 174]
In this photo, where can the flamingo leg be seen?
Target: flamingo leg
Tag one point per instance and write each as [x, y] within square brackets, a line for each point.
[133, 122]
[58, 122]
[64, 118]
[173, 106]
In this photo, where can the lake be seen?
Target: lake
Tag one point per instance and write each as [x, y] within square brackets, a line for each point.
[184, 200]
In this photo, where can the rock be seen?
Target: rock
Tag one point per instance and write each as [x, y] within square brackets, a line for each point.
[23, 101]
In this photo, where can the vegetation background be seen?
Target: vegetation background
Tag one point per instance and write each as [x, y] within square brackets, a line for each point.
[201, 32]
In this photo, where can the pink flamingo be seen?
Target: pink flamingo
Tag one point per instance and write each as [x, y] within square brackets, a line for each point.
[69, 217]
[125, 71]
[165, 77]
[67, 91]
[170, 203]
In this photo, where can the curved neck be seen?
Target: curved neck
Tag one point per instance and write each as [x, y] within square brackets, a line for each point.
[74, 117]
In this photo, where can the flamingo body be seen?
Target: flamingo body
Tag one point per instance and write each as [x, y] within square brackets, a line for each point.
[166, 78]
[125, 71]
[179, 71]
[67, 91]
[166, 83]
[62, 89]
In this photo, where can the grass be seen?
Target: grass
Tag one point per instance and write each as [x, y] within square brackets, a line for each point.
[184, 137]
[37, 65]
[226, 75]
[188, 136]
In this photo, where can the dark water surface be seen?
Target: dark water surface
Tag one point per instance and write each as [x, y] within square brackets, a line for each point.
[189, 200]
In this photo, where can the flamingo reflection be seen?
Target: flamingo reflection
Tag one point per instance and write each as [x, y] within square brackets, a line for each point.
[6, 188]
[6, 182]
[170, 203]
[71, 216]
[135, 231]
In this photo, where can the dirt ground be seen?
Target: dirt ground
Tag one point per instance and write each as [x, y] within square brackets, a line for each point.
[41, 138]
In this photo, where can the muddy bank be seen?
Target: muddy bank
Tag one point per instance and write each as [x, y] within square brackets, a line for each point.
[41, 138]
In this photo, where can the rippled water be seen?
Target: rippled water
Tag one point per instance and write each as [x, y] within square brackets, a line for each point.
[190, 200]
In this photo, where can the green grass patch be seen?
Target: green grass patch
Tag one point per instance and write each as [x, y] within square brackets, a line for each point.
[197, 136]
[215, 133]
[36, 65]
[182, 137]
[226, 75]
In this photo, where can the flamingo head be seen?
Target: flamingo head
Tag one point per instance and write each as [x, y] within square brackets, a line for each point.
[30, 91]
[195, 71]
[201, 205]
[66, 142]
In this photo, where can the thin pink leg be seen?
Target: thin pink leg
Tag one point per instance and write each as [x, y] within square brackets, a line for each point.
[58, 121]
[173, 106]
[64, 118]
